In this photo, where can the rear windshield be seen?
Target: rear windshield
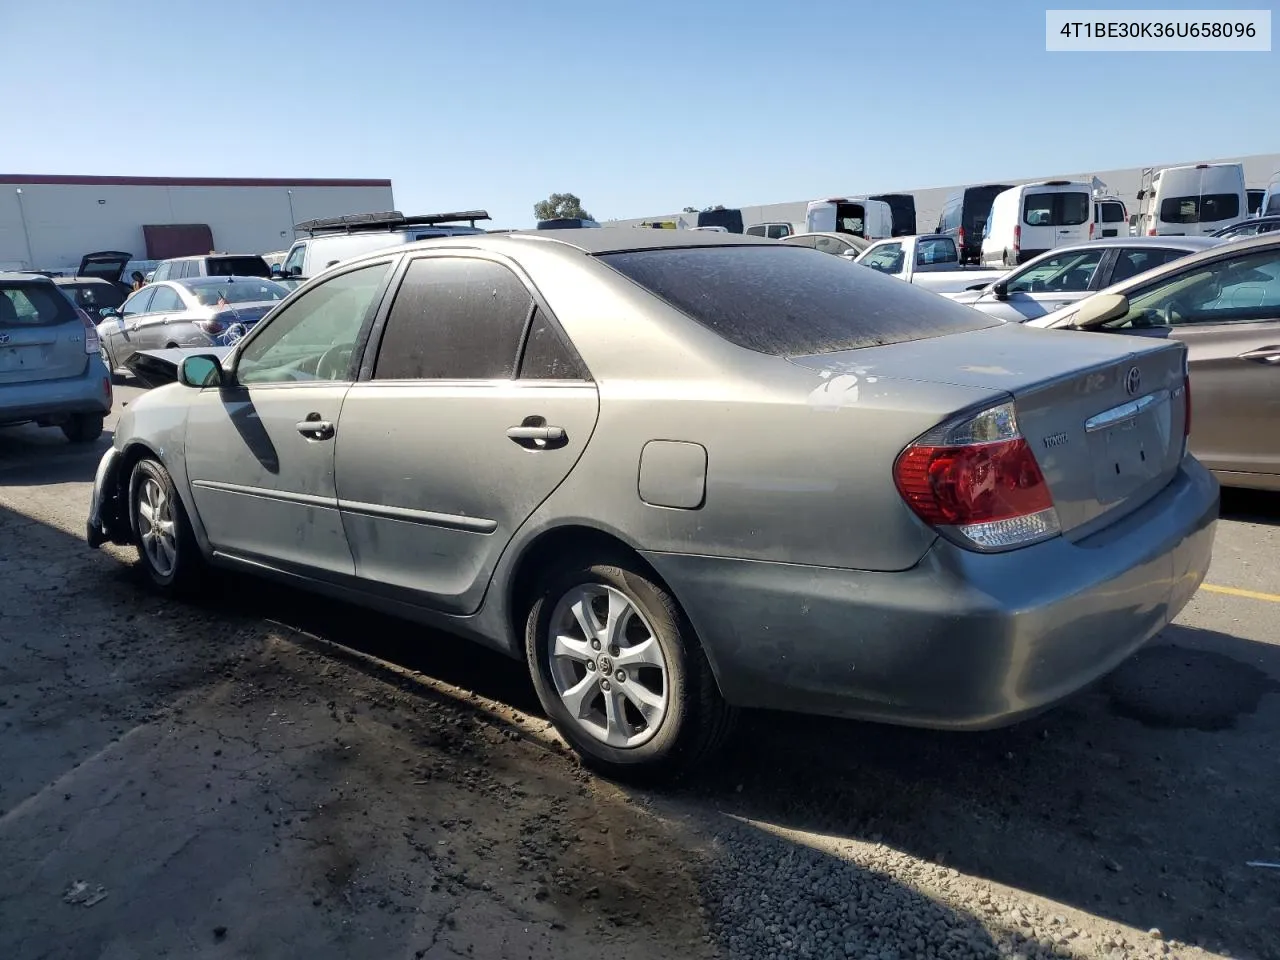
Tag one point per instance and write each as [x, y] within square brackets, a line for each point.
[238, 267]
[241, 291]
[92, 297]
[1055, 209]
[790, 301]
[1208, 208]
[977, 206]
[1112, 213]
[34, 305]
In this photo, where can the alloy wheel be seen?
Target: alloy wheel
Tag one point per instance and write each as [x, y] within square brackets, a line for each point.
[608, 666]
[156, 528]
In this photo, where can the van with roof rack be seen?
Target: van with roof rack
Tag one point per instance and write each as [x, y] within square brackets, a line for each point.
[1192, 200]
[334, 239]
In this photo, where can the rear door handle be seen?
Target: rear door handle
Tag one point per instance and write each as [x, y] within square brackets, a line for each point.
[1263, 355]
[316, 429]
[535, 433]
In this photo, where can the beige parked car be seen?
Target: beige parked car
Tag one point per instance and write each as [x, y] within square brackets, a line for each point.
[1224, 304]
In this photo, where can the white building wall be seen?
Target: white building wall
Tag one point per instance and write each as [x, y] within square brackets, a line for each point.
[1124, 183]
[64, 221]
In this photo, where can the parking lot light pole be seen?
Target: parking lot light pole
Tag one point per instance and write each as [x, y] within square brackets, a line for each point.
[293, 229]
[26, 233]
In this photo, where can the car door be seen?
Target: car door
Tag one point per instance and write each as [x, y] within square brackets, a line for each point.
[121, 331]
[152, 329]
[1048, 283]
[260, 448]
[1227, 312]
[462, 423]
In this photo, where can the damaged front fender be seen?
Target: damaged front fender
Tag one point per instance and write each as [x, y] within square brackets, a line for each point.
[108, 515]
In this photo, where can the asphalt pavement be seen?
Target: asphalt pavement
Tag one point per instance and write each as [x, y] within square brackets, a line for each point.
[265, 773]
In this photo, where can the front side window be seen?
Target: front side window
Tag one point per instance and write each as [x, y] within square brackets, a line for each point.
[1058, 209]
[784, 302]
[454, 318]
[805, 240]
[314, 338]
[293, 265]
[1062, 273]
[1242, 290]
[1273, 204]
[887, 258]
[163, 272]
[1208, 208]
[140, 302]
[831, 245]
[778, 230]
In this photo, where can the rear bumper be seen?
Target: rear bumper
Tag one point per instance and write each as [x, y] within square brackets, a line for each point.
[960, 641]
[51, 401]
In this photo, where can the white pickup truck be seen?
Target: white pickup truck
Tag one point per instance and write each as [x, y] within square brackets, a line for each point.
[930, 261]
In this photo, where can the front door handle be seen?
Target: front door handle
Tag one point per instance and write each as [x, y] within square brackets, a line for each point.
[313, 428]
[1263, 355]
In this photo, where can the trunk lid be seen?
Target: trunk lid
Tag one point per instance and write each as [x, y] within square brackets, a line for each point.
[1104, 415]
[41, 335]
[104, 265]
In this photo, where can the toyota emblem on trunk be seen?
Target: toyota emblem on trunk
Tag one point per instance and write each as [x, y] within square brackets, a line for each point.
[1133, 380]
[4, 338]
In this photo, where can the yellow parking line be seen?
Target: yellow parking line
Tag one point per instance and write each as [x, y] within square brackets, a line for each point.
[1237, 592]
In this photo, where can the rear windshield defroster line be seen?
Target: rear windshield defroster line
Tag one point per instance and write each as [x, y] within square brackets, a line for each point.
[792, 301]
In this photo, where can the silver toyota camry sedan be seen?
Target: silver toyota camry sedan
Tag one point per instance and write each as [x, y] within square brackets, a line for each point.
[682, 473]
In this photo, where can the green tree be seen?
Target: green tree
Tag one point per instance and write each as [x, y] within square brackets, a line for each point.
[689, 210]
[560, 205]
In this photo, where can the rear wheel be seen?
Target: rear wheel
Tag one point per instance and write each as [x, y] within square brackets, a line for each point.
[83, 427]
[620, 673]
[167, 548]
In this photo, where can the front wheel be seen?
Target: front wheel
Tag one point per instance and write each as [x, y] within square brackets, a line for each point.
[619, 672]
[167, 548]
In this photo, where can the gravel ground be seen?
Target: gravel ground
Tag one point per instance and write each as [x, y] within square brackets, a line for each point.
[267, 774]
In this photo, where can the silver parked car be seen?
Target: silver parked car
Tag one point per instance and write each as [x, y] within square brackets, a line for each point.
[50, 372]
[840, 244]
[1066, 275]
[197, 312]
[1224, 305]
[681, 472]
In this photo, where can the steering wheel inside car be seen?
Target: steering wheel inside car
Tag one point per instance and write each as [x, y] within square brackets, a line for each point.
[335, 362]
[1173, 313]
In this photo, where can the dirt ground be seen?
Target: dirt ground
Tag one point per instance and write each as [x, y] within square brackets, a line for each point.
[268, 774]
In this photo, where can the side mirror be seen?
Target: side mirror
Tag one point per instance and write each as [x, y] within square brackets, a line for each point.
[1000, 289]
[1101, 308]
[276, 272]
[200, 371]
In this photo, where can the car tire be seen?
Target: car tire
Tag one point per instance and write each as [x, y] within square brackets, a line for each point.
[167, 549]
[660, 693]
[83, 427]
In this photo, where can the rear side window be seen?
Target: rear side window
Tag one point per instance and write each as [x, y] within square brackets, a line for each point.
[547, 356]
[163, 271]
[936, 250]
[784, 301]
[1055, 209]
[34, 305]
[1273, 204]
[1208, 208]
[454, 318]
[1132, 262]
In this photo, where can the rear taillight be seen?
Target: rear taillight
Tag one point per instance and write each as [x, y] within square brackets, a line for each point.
[210, 327]
[1091, 231]
[978, 478]
[1151, 231]
[92, 345]
[960, 238]
[1017, 240]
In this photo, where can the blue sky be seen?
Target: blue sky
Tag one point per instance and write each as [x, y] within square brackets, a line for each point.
[639, 108]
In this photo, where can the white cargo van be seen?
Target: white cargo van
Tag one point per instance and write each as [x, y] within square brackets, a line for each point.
[858, 216]
[1192, 200]
[1026, 221]
[335, 239]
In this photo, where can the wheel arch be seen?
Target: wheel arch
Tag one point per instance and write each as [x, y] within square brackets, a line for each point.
[583, 540]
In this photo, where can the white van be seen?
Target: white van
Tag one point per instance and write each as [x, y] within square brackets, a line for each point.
[1026, 221]
[1192, 200]
[335, 239]
[859, 216]
[1271, 199]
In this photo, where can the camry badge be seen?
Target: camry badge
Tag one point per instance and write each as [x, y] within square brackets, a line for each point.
[1133, 380]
